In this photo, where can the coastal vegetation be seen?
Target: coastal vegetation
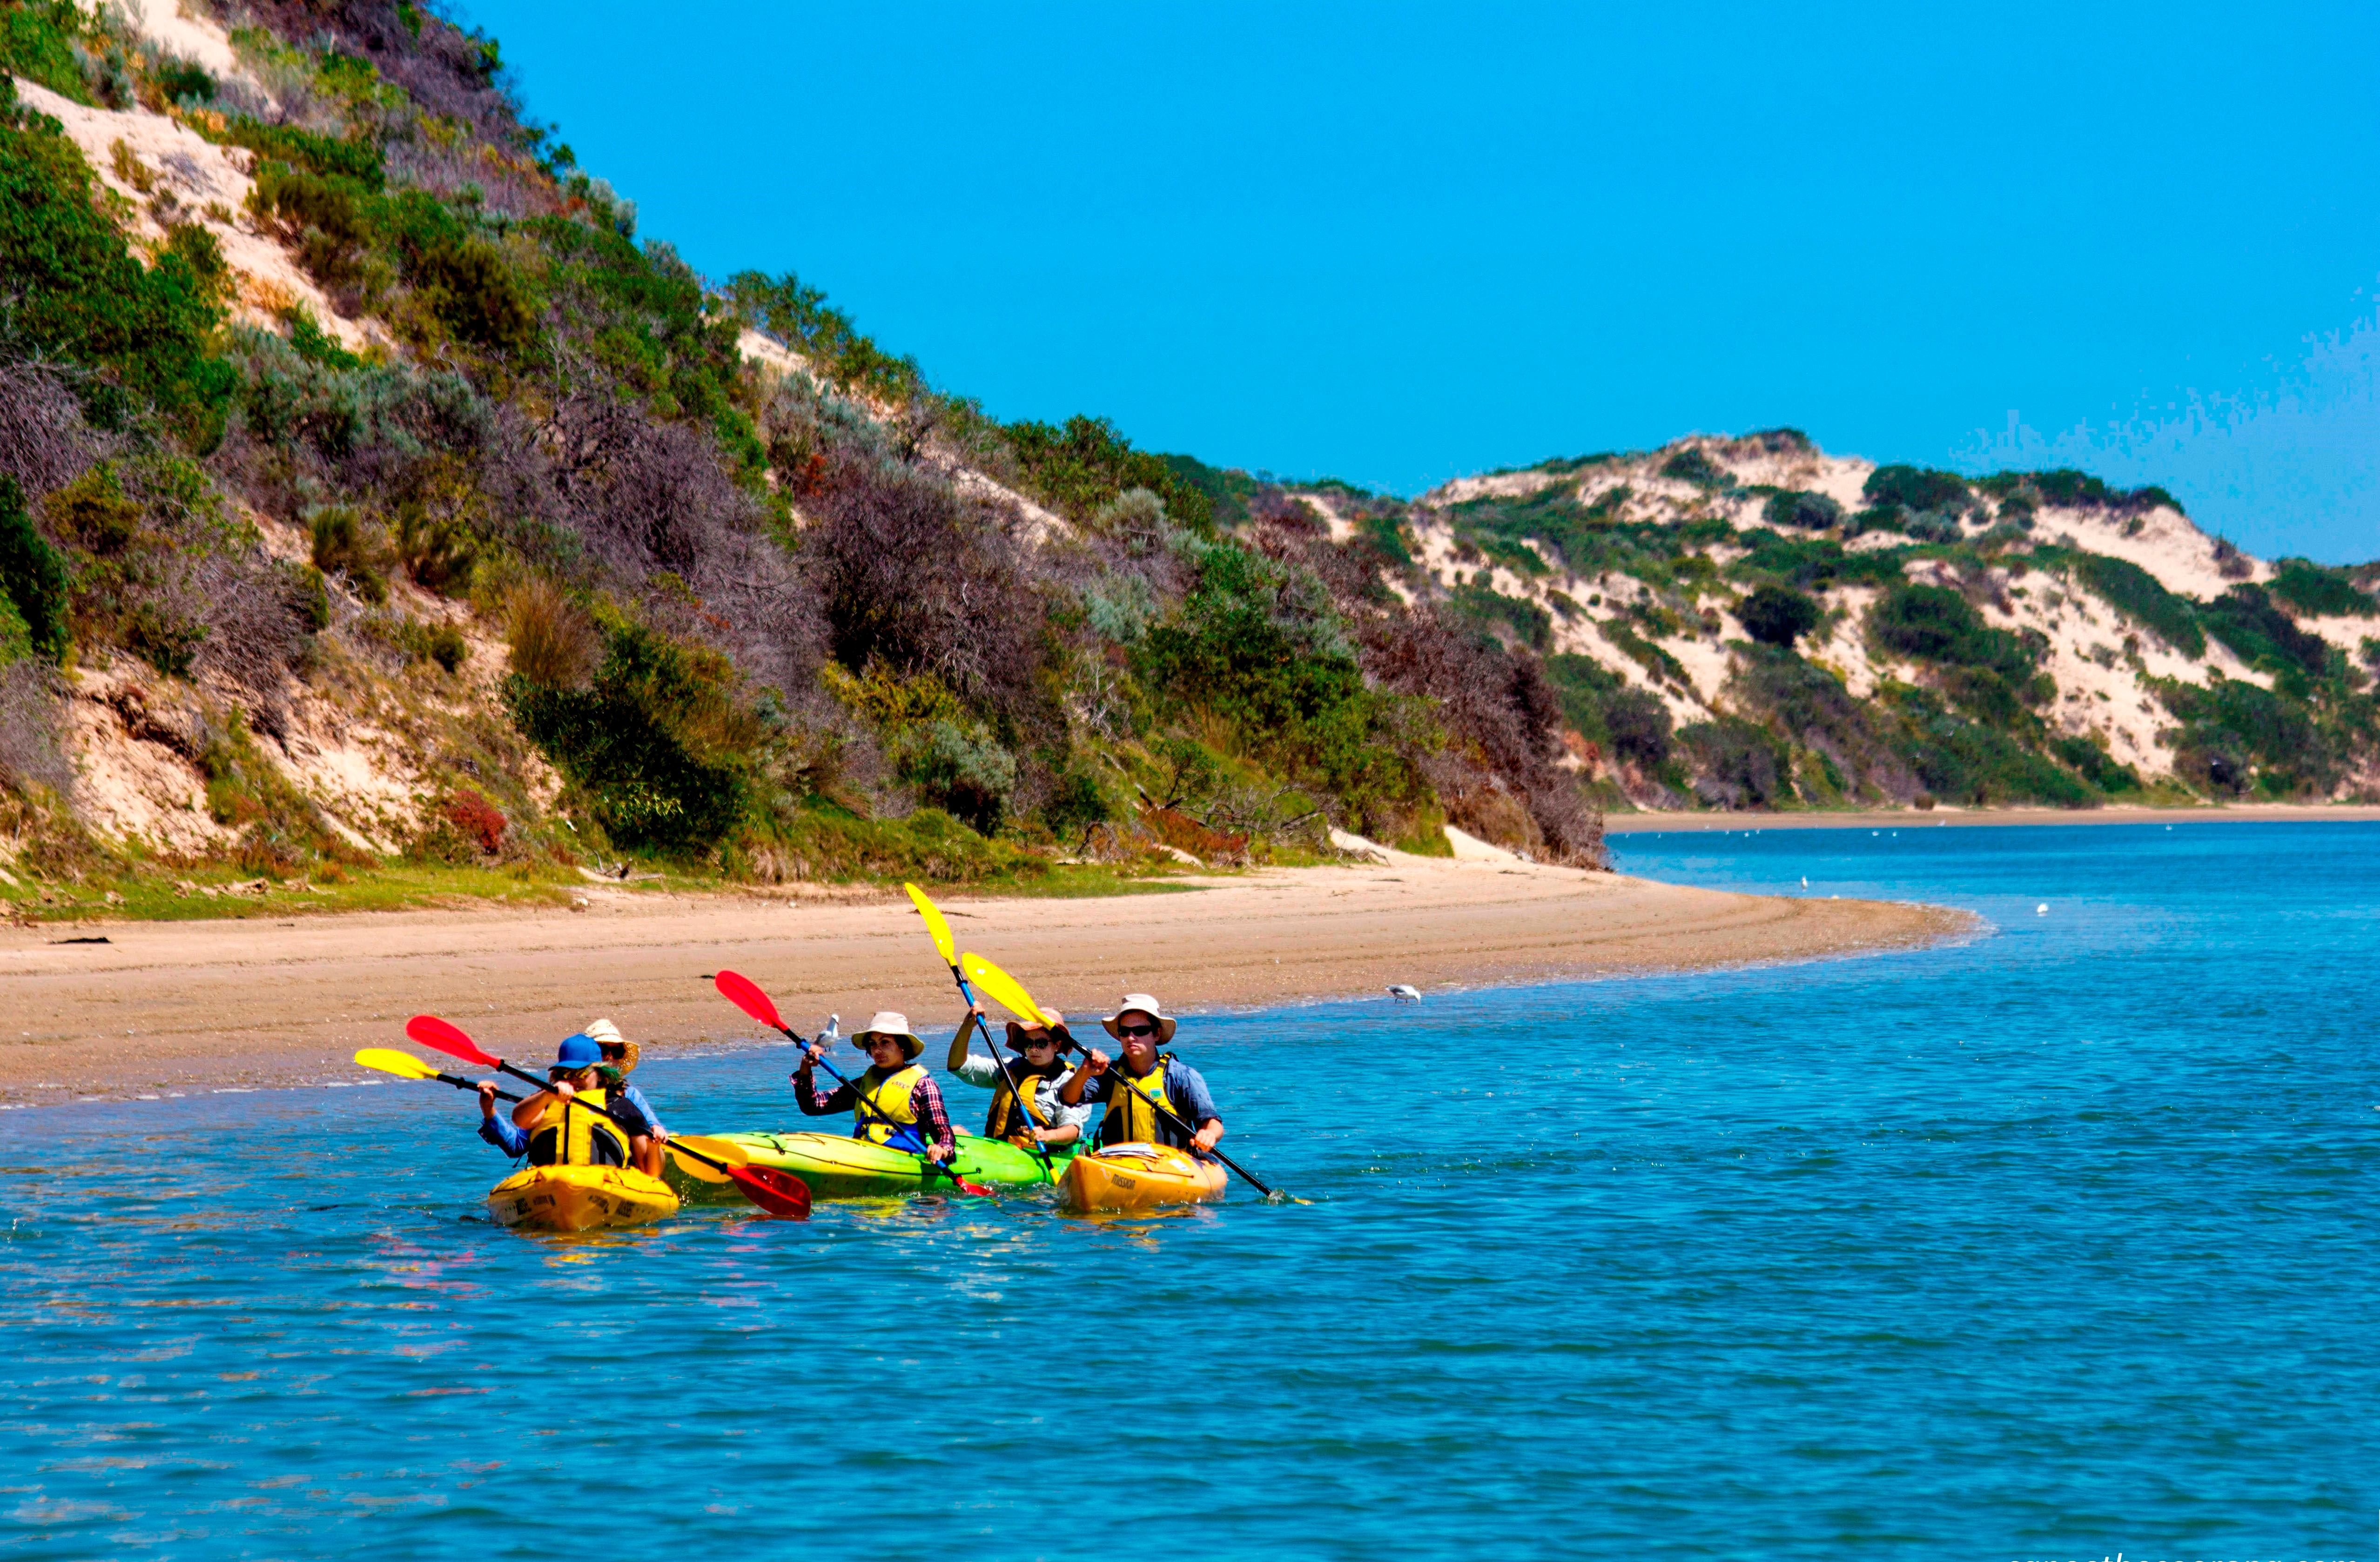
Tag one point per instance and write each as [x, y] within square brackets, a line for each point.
[468, 542]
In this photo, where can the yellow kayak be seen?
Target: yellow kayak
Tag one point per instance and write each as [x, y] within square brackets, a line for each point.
[580, 1198]
[1139, 1176]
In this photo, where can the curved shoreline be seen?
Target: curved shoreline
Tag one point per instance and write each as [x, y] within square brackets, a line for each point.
[168, 1007]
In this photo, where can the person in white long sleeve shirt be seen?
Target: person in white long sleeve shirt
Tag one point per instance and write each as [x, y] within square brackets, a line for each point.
[1036, 1073]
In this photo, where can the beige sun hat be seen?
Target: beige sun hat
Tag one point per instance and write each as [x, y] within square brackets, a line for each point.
[1052, 1022]
[604, 1033]
[890, 1023]
[1148, 1006]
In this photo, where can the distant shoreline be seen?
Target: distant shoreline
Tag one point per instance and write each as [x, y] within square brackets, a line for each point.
[1908, 818]
[166, 1007]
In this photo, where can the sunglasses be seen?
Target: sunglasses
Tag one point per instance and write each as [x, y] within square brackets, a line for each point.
[1130, 1030]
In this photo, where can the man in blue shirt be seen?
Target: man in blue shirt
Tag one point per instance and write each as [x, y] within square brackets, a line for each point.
[1142, 1079]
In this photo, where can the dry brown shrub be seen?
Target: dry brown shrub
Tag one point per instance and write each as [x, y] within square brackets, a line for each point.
[552, 639]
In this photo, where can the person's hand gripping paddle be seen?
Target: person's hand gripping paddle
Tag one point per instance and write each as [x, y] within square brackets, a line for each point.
[779, 1193]
[746, 994]
[1032, 1014]
[1010, 994]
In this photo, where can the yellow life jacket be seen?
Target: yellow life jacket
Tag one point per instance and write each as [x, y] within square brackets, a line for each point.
[1003, 1123]
[1130, 1119]
[576, 1132]
[889, 1095]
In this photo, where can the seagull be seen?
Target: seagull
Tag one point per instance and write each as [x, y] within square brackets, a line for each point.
[834, 1028]
[1405, 992]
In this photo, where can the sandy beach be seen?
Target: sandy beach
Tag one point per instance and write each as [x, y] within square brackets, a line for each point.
[1960, 818]
[165, 1007]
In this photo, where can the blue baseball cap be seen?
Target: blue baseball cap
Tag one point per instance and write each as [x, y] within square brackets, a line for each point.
[577, 1052]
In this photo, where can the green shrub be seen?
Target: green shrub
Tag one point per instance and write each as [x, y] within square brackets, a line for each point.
[1077, 804]
[1936, 625]
[41, 41]
[959, 770]
[1955, 756]
[33, 577]
[2231, 721]
[802, 318]
[1737, 764]
[2141, 596]
[1775, 616]
[1631, 724]
[2310, 588]
[1803, 512]
[348, 543]
[78, 292]
[1692, 465]
[1915, 488]
[2244, 619]
[649, 745]
[2071, 489]
[2098, 766]
[1081, 466]
[1477, 603]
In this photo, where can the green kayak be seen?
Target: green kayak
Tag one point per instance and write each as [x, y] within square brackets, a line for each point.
[836, 1165]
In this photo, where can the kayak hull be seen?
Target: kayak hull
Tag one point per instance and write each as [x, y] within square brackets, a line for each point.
[580, 1198]
[835, 1165]
[1127, 1177]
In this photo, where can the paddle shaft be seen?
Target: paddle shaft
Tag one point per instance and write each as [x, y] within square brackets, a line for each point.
[461, 1084]
[1006, 1078]
[861, 1103]
[1168, 1114]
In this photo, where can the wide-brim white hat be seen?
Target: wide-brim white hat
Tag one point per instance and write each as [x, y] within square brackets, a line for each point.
[890, 1023]
[1147, 1005]
[604, 1033]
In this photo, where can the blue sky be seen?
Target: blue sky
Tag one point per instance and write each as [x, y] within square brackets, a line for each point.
[1397, 244]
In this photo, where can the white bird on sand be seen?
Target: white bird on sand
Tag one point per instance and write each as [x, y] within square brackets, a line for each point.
[1405, 992]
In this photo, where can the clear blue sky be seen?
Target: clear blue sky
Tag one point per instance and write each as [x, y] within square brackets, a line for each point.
[1396, 243]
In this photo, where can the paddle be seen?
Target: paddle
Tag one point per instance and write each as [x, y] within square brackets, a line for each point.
[1010, 995]
[778, 1193]
[941, 931]
[744, 994]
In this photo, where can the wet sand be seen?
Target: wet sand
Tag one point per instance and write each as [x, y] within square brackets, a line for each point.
[165, 1007]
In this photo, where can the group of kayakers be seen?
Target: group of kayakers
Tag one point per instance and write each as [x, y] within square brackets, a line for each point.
[589, 1114]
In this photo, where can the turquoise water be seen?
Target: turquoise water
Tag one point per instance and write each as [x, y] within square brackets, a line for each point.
[2055, 1243]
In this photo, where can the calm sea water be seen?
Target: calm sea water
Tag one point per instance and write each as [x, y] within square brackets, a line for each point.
[2055, 1243]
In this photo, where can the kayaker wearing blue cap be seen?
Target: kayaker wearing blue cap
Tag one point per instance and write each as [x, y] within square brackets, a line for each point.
[551, 1131]
[902, 1104]
[1145, 1075]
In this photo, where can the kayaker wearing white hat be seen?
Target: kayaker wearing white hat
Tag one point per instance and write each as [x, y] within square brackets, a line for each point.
[902, 1104]
[620, 1061]
[1035, 1072]
[1145, 1075]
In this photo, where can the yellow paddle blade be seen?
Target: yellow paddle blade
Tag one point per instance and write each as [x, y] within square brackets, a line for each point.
[717, 1149]
[934, 924]
[693, 1167]
[389, 1060]
[1004, 989]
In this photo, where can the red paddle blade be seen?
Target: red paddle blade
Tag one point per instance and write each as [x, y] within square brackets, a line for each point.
[439, 1036]
[741, 992]
[781, 1194]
